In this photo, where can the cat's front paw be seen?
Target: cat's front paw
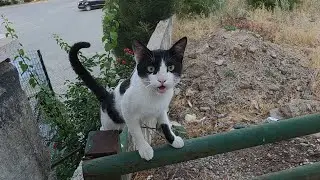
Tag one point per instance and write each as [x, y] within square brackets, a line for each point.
[145, 151]
[178, 142]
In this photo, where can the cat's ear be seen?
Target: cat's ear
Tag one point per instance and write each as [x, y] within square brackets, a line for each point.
[178, 48]
[140, 50]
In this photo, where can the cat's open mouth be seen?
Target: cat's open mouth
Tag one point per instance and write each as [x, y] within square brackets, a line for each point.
[162, 89]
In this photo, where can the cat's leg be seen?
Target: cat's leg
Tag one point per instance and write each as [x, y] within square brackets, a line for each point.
[144, 149]
[175, 141]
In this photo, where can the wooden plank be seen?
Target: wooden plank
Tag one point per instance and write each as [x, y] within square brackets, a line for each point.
[99, 144]
[102, 143]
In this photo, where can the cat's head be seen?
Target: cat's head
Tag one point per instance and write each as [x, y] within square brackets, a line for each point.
[160, 70]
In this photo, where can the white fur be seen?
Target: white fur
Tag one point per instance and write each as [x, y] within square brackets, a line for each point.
[142, 101]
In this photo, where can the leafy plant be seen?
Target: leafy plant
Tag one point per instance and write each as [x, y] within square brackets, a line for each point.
[187, 8]
[271, 4]
[135, 19]
[74, 114]
[25, 67]
[230, 28]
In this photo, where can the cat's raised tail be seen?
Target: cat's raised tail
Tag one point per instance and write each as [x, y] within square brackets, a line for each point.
[87, 78]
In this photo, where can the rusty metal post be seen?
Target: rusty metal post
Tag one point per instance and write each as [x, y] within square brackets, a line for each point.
[100, 144]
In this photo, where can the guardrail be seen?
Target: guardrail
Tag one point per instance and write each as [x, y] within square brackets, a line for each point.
[128, 162]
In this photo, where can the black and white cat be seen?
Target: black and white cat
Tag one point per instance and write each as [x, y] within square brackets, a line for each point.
[146, 95]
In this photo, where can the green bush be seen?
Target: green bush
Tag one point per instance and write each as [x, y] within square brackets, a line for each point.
[8, 2]
[136, 19]
[271, 4]
[197, 7]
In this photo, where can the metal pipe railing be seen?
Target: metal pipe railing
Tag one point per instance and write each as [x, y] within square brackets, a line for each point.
[128, 162]
[306, 172]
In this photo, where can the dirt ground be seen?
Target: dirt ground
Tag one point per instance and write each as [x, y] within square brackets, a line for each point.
[234, 78]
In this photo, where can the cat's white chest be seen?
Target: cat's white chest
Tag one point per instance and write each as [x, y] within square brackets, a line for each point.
[144, 104]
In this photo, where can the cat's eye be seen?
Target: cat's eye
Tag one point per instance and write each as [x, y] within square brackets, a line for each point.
[171, 68]
[150, 69]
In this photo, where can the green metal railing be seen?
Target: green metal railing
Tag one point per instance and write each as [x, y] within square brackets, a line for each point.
[308, 172]
[128, 162]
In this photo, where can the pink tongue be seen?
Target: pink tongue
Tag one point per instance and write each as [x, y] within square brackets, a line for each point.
[162, 89]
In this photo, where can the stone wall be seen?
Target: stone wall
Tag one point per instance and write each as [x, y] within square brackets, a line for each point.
[23, 154]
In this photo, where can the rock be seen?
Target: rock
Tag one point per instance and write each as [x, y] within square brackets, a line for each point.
[220, 62]
[204, 47]
[149, 177]
[273, 87]
[300, 107]
[299, 88]
[222, 115]
[190, 92]
[255, 104]
[273, 54]
[252, 49]
[245, 85]
[193, 56]
[300, 139]
[177, 91]
[275, 113]
[175, 123]
[304, 144]
[226, 36]
[316, 135]
[310, 151]
[190, 117]
[204, 109]
[269, 155]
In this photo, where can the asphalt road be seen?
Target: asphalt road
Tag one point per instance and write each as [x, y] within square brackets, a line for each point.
[36, 23]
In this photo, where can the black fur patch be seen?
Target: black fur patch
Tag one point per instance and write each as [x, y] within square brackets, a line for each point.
[167, 133]
[124, 86]
[155, 60]
[106, 99]
[108, 105]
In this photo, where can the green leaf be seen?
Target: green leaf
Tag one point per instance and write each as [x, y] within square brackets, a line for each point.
[21, 52]
[114, 35]
[23, 66]
[32, 82]
[230, 28]
[107, 47]
[104, 38]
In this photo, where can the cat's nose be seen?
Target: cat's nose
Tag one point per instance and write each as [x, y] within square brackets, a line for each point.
[162, 81]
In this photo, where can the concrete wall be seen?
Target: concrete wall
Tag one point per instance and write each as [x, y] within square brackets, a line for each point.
[22, 152]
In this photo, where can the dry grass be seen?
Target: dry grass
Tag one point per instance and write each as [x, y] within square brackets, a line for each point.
[194, 28]
[300, 27]
[197, 27]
